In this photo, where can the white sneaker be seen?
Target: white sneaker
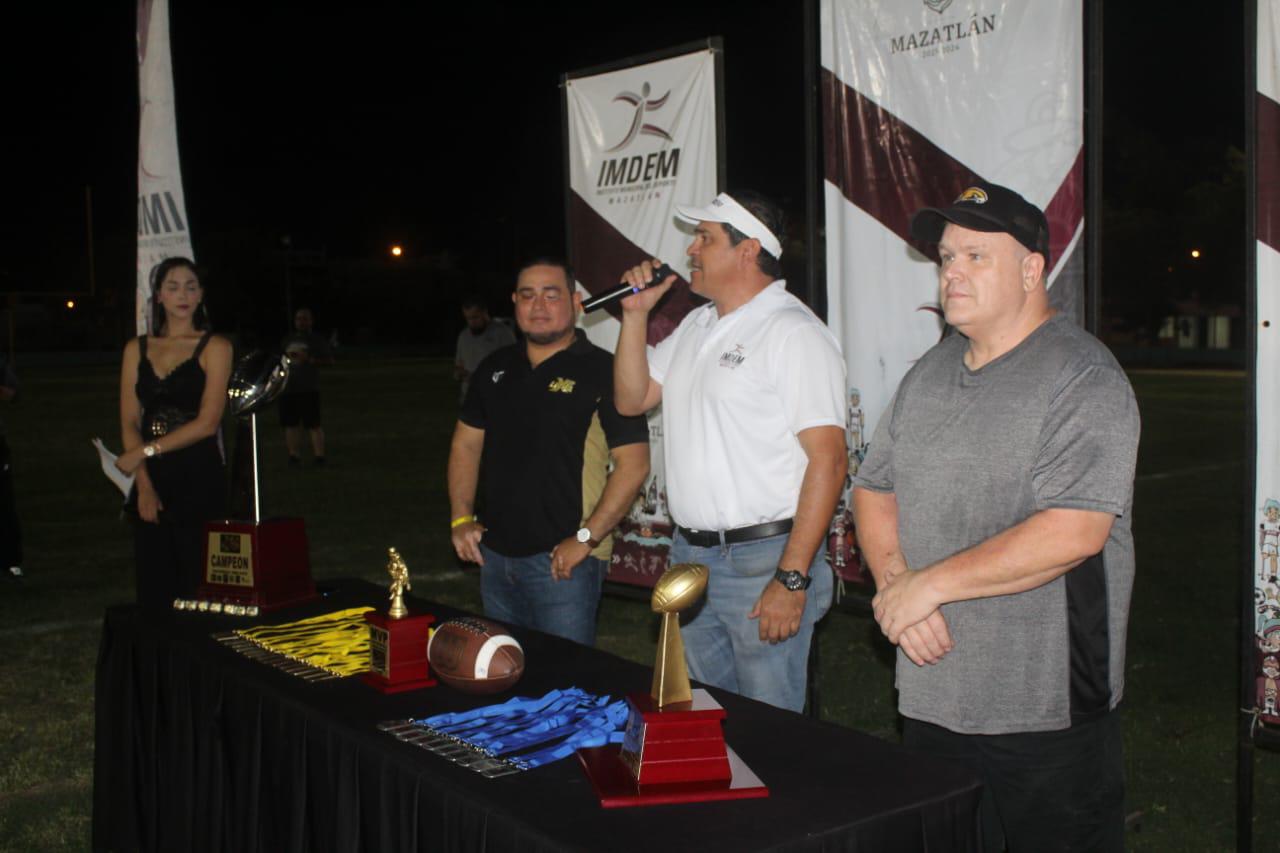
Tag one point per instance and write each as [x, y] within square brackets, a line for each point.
[16, 571]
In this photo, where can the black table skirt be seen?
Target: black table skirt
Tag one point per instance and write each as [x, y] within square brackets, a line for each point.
[199, 748]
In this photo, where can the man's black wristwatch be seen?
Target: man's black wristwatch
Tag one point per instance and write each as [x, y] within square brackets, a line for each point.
[793, 581]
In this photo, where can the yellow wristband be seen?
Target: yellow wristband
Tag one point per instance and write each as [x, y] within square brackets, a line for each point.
[461, 520]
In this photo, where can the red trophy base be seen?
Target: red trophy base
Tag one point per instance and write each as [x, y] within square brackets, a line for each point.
[263, 564]
[398, 652]
[673, 755]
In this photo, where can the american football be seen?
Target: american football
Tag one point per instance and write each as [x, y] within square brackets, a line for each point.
[475, 656]
[679, 587]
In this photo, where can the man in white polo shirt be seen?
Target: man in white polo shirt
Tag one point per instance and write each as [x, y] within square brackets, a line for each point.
[752, 387]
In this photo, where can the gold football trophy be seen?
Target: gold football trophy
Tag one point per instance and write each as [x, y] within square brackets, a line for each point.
[680, 586]
[673, 750]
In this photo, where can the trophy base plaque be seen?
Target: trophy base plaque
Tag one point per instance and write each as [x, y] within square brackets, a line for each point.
[674, 754]
[398, 652]
[264, 564]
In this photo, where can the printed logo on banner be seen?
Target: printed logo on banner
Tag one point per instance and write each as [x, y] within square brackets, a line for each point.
[640, 176]
[1267, 619]
[842, 538]
[643, 537]
[642, 104]
[943, 39]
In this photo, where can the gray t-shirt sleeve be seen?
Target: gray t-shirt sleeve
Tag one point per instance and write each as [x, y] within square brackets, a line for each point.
[876, 471]
[1088, 444]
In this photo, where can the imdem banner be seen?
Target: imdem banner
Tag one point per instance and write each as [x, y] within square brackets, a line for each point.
[641, 137]
[162, 212]
[1266, 504]
[920, 98]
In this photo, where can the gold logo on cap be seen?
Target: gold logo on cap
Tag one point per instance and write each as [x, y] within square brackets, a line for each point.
[973, 194]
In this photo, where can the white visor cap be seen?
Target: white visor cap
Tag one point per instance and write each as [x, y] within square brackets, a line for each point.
[724, 208]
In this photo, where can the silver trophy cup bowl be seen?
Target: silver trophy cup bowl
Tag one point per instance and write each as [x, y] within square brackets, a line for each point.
[258, 378]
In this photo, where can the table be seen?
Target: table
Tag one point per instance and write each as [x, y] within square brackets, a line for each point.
[199, 748]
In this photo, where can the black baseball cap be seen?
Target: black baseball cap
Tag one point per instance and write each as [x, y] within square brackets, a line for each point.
[990, 208]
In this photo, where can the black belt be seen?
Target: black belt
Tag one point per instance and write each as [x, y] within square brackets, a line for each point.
[709, 538]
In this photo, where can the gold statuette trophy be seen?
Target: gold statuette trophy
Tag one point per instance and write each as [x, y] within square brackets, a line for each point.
[674, 749]
[398, 641]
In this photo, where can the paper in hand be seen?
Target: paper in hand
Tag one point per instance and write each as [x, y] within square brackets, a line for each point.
[121, 480]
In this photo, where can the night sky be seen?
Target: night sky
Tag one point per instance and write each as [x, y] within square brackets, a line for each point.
[438, 127]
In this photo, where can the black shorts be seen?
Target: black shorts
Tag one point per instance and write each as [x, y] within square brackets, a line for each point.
[300, 409]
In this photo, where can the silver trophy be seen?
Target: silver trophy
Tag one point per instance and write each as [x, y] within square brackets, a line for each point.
[258, 378]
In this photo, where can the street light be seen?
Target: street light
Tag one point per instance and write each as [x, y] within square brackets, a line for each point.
[396, 251]
[1195, 253]
[71, 303]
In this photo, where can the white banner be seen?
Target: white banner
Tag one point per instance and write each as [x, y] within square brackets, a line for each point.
[919, 98]
[1266, 509]
[641, 139]
[162, 210]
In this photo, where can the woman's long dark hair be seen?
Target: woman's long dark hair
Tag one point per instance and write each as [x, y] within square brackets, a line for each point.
[200, 320]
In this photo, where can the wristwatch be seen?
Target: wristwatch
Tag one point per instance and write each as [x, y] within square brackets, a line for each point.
[584, 536]
[151, 450]
[793, 581]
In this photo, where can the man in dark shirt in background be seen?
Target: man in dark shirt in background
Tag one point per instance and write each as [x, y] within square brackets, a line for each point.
[300, 402]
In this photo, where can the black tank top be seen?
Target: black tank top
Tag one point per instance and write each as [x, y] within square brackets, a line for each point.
[169, 402]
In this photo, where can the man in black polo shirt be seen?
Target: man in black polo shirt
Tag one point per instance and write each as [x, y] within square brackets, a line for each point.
[539, 415]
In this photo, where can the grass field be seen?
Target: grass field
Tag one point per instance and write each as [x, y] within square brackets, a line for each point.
[389, 422]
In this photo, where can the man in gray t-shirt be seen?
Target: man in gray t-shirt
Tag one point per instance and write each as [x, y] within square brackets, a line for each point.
[482, 336]
[993, 510]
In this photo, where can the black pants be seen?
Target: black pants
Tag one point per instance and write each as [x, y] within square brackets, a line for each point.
[169, 558]
[10, 532]
[1042, 791]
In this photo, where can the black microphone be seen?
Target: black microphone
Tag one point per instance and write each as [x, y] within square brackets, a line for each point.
[602, 299]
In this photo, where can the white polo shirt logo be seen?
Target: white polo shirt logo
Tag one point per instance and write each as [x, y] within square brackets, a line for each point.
[497, 374]
[733, 358]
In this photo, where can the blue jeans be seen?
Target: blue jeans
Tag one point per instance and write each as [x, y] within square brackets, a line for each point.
[722, 646]
[521, 591]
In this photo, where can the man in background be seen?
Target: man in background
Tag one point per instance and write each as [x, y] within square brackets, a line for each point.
[482, 336]
[300, 402]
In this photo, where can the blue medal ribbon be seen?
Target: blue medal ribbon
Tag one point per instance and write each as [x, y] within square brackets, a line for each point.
[560, 722]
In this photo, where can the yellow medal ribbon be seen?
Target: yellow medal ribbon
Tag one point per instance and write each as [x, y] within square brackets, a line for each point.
[335, 642]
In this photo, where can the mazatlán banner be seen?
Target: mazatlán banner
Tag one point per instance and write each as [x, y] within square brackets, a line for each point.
[1266, 509]
[642, 137]
[162, 211]
[919, 98]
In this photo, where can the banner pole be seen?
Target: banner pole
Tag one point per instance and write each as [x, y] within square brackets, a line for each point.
[1093, 86]
[815, 295]
[565, 166]
[1245, 744]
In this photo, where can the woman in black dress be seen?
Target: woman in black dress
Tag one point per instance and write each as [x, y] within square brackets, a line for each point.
[173, 388]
